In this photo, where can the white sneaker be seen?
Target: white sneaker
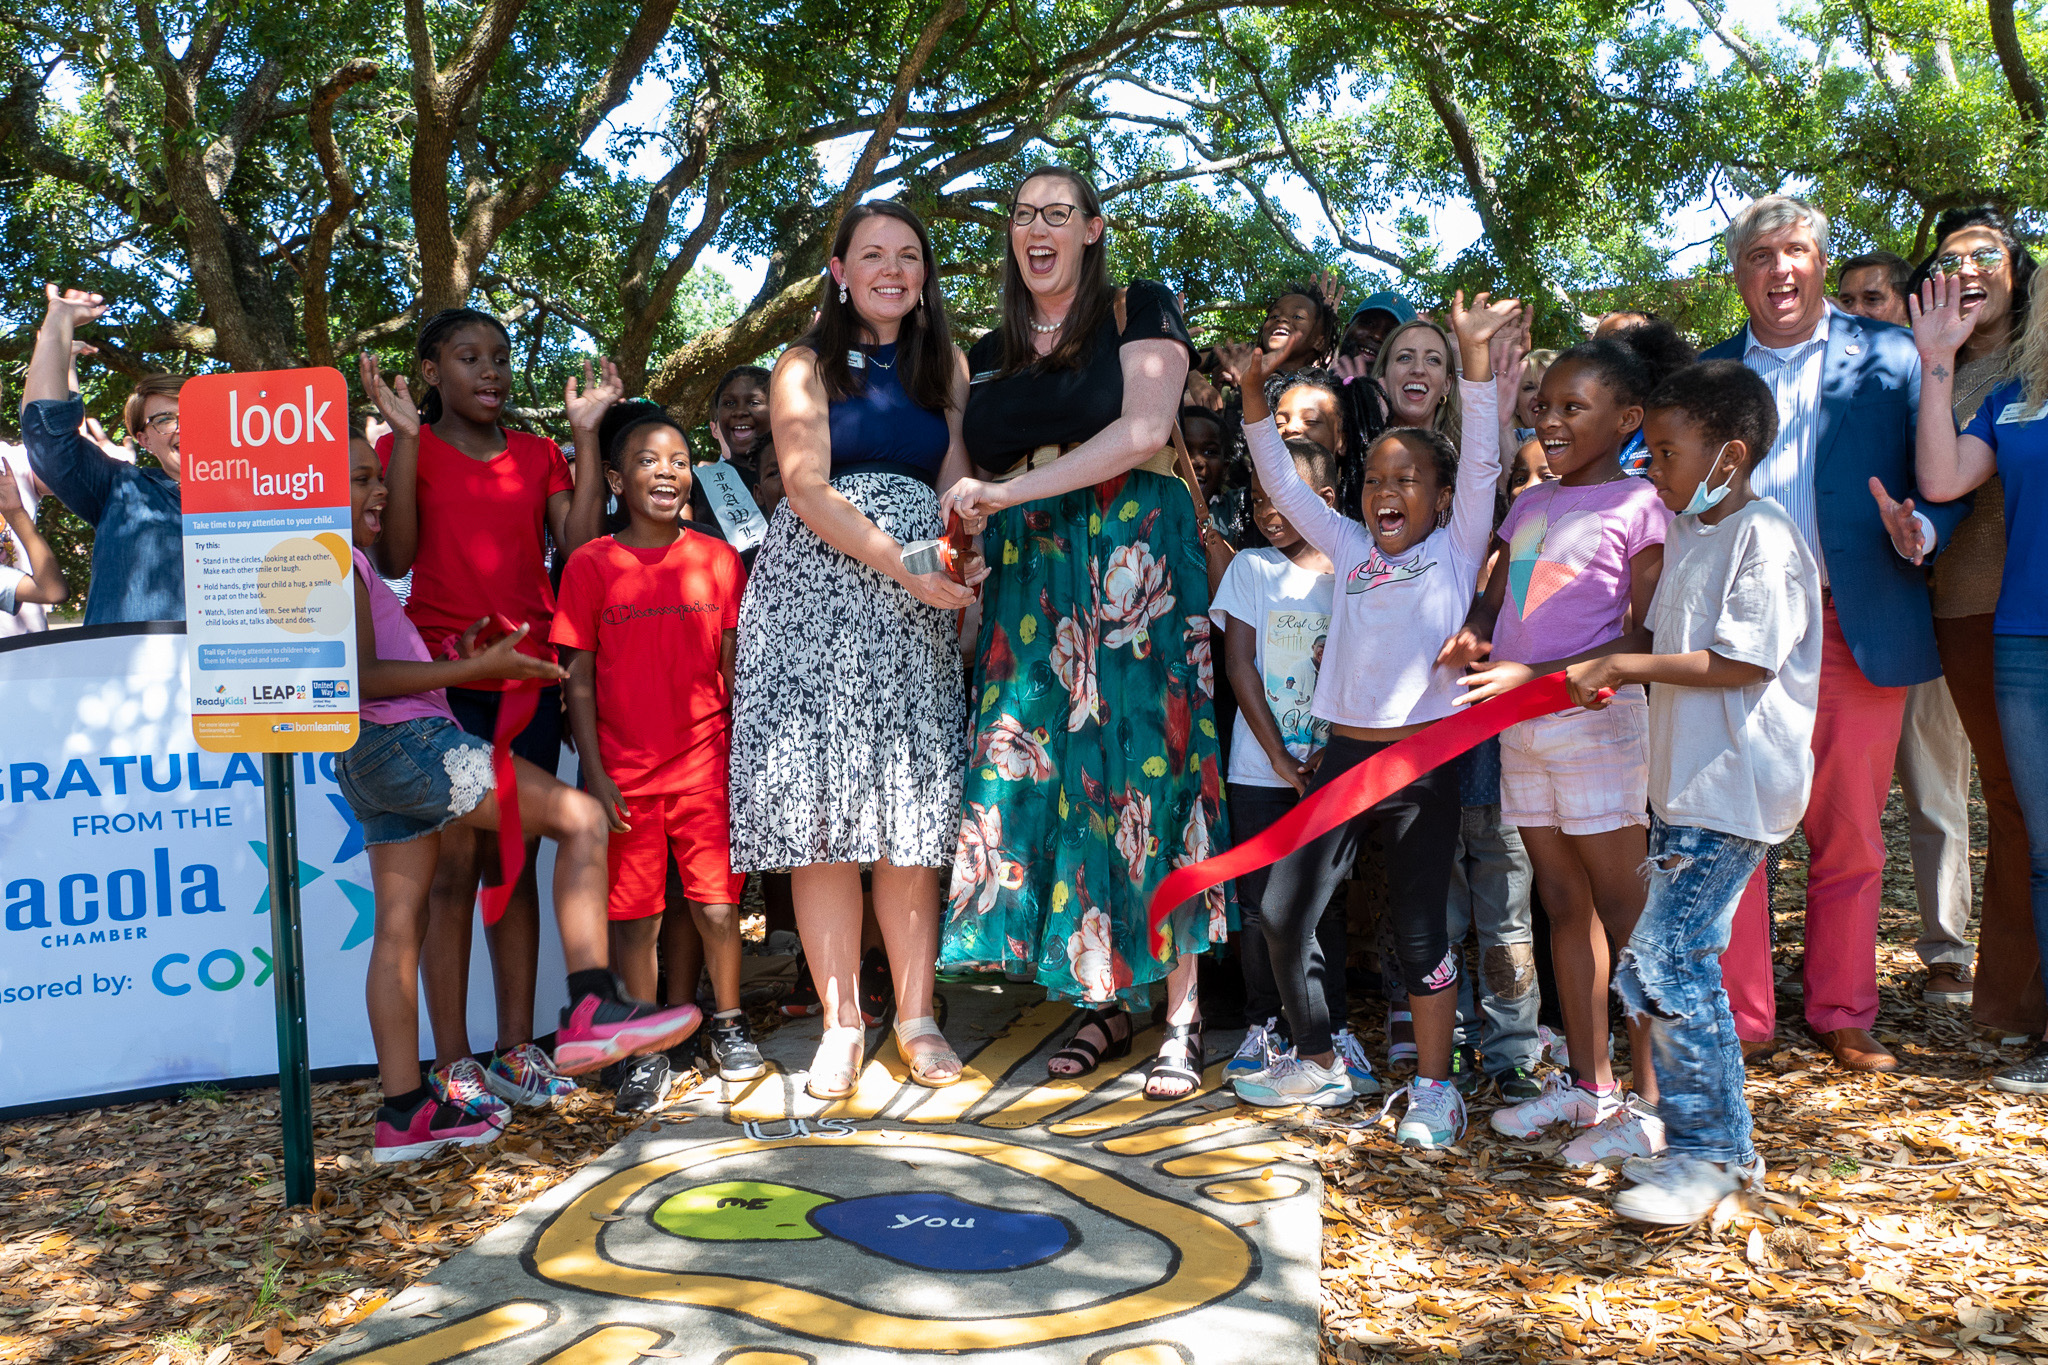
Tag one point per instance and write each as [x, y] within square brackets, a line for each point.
[1436, 1114]
[1356, 1062]
[1560, 1102]
[1255, 1053]
[1680, 1189]
[1641, 1168]
[1633, 1130]
[1296, 1080]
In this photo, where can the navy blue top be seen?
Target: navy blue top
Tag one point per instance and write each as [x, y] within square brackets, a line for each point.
[881, 424]
[138, 543]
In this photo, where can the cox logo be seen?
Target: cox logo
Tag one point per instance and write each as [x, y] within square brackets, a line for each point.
[223, 969]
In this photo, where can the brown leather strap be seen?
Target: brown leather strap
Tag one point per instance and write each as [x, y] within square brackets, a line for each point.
[1183, 462]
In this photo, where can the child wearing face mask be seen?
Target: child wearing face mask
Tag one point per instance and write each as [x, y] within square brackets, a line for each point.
[1428, 515]
[473, 509]
[1736, 625]
[1580, 564]
[648, 623]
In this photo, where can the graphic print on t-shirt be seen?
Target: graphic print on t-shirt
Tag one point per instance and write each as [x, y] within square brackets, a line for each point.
[1294, 656]
[1377, 571]
[1545, 556]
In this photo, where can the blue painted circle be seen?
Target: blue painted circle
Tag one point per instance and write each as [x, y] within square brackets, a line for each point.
[935, 1231]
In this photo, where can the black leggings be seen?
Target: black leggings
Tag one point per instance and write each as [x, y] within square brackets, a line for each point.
[1252, 809]
[1416, 832]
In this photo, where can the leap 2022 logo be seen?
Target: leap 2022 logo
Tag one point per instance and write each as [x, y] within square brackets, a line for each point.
[79, 910]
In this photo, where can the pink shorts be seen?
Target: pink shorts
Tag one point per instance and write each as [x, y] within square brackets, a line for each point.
[1582, 772]
[697, 827]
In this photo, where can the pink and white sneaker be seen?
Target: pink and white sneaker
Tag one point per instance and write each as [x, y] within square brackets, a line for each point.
[597, 1031]
[1562, 1101]
[1630, 1131]
[436, 1126]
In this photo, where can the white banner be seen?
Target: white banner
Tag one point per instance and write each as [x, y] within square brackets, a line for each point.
[134, 886]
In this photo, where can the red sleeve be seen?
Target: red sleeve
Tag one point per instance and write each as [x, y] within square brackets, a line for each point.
[559, 480]
[580, 601]
[384, 444]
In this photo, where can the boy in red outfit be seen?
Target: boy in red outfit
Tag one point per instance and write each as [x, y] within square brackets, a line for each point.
[647, 622]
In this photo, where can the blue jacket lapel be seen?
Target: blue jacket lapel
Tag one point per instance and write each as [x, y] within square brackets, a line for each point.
[1837, 384]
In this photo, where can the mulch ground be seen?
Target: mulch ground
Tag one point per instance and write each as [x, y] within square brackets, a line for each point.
[1905, 1219]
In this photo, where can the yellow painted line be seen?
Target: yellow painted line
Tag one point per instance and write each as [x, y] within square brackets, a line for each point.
[986, 1069]
[1151, 1353]
[1042, 1101]
[1257, 1190]
[1178, 1135]
[608, 1346]
[1136, 1109]
[502, 1323]
[1228, 1160]
[1211, 1260]
[881, 1081]
[764, 1098]
[765, 1358]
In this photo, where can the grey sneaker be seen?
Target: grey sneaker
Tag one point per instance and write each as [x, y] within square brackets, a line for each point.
[733, 1053]
[1356, 1064]
[1296, 1080]
[1435, 1117]
[2028, 1076]
[1679, 1190]
[1255, 1053]
[645, 1084]
[1641, 1168]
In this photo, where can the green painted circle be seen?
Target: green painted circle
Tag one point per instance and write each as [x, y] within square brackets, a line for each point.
[740, 1211]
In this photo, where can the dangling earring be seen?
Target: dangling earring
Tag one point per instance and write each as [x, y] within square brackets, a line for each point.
[842, 293]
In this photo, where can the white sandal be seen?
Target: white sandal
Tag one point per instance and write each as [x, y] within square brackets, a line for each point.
[848, 1072]
[925, 1071]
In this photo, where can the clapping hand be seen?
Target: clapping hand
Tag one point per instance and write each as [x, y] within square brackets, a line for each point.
[587, 407]
[393, 400]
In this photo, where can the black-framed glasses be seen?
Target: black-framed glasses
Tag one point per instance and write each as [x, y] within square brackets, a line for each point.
[163, 421]
[1985, 258]
[1055, 215]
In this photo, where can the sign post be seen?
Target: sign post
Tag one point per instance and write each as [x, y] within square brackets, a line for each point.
[270, 623]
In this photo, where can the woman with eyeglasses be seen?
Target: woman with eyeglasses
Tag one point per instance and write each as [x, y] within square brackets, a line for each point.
[1990, 272]
[1095, 756]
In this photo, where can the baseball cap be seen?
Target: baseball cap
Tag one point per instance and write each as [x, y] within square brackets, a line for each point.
[1386, 301]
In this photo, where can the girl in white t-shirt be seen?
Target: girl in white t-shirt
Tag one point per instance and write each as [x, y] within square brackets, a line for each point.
[36, 581]
[1407, 572]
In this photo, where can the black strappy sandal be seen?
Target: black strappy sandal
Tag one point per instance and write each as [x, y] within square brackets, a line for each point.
[1085, 1053]
[1195, 1050]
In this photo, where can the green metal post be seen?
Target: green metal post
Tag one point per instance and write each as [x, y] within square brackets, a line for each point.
[288, 976]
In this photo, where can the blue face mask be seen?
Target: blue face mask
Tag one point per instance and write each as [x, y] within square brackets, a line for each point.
[1705, 499]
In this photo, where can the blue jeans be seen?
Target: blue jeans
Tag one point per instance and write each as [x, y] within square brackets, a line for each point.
[1670, 972]
[1490, 891]
[2019, 672]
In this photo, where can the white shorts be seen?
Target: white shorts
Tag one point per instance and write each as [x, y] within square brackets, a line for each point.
[1579, 771]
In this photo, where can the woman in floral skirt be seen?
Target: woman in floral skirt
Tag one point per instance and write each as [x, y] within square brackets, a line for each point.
[1094, 771]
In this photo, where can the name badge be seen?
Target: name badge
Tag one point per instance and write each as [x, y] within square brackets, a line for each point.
[856, 361]
[2016, 414]
[978, 378]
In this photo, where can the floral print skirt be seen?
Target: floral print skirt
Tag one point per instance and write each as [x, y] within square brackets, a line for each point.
[1095, 763]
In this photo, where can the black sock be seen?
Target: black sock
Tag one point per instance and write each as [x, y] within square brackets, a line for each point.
[407, 1104]
[592, 981]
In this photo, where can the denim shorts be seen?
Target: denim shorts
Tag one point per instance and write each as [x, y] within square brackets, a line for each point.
[407, 780]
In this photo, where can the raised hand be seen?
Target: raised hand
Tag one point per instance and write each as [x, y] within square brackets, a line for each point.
[91, 430]
[587, 408]
[1477, 324]
[1199, 392]
[1939, 324]
[393, 400]
[1350, 367]
[10, 491]
[1330, 285]
[1231, 358]
[1506, 350]
[1251, 383]
[71, 308]
[1908, 536]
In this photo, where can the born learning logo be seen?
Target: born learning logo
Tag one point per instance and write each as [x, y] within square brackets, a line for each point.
[621, 612]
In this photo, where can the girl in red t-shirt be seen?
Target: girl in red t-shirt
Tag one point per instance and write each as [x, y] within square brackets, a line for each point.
[472, 510]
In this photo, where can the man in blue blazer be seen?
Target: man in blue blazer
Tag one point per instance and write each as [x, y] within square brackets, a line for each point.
[1848, 393]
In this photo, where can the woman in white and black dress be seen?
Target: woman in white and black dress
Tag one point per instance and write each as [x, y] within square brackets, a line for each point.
[849, 710]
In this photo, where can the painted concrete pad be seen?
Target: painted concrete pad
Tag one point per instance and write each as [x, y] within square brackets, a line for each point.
[1007, 1219]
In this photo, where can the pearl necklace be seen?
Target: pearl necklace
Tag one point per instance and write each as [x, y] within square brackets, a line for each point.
[1044, 328]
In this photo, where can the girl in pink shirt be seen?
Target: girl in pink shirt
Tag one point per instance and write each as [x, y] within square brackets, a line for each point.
[1578, 563]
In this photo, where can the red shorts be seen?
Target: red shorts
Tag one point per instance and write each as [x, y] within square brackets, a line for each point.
[697, 826]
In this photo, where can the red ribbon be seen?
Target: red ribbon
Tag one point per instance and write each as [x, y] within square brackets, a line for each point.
[516, 706]
[1358, 791]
